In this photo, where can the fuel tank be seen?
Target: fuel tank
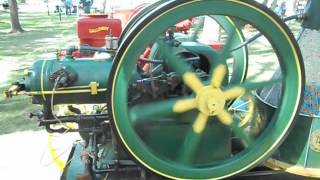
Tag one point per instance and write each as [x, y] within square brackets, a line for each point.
[93, 29]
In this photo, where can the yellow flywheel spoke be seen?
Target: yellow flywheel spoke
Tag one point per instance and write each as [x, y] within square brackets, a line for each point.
[193, 82]
[234, 93]
[184, 105]
[225, 117]
[218, 76]
[200, 123]
[249, 113]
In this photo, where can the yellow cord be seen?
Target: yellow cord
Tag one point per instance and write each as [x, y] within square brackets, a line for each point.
[52, 110]
[42, 79]
[60, 164]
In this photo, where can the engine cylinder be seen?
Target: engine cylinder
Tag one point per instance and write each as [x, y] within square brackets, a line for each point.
[68, 81]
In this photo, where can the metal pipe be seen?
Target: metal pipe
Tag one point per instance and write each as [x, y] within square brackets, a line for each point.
[255, 37]
[76, 119]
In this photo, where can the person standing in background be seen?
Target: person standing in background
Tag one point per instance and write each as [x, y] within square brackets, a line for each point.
[86, 5]
[281, 9]
[68, 5]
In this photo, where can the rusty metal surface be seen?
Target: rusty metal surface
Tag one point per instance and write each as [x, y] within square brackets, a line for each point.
[309, 43]
[310, 47]
[86, 176]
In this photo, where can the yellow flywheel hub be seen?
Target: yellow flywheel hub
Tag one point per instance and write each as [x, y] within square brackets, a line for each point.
[210, 101]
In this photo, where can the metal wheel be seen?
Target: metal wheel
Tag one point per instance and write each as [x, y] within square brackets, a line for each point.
[189, 134]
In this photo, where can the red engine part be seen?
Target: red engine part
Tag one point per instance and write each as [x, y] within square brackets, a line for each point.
[75, 54]
[137, 9]
[184, 26]
[145, 55]
[93, 29]
[216, 45]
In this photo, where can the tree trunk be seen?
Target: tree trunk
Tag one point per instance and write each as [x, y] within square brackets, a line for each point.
[14, 16]
[265, 2]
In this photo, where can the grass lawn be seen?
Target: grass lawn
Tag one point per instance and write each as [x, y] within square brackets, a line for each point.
[44, 34]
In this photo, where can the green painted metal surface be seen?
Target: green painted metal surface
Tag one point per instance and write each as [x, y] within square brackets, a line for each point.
[240, 56]
[37, 81]
[161, 162]
[76, 166]
[240, 65]
[170, 146]
[299, 154]
[313, 16]
[94, 70]
[166, 141]
[301, 148]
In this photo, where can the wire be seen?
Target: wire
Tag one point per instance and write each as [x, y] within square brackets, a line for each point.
[52, 107]
[56, 157]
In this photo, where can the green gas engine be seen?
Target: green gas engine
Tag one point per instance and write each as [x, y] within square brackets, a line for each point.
[168, 103]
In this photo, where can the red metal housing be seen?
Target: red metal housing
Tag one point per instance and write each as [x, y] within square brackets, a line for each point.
[93, 29]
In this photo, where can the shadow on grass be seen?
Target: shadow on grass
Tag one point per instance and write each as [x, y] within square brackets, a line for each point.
[44, 34]
[15, 115]
[15, 111]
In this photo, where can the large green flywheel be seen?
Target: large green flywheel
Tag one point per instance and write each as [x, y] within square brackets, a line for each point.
[193, 130]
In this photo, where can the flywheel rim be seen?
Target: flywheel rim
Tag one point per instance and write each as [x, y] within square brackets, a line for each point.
[119, 83]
